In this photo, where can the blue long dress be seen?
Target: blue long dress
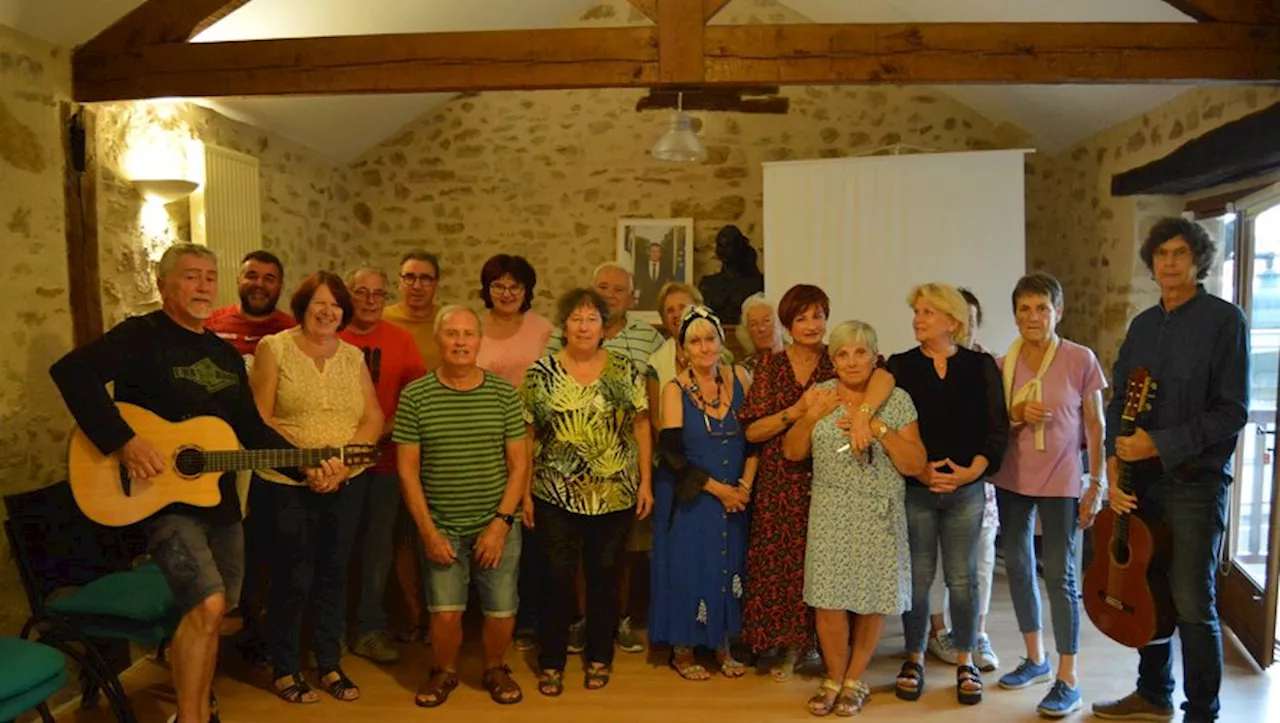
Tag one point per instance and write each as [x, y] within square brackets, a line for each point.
[699, 554]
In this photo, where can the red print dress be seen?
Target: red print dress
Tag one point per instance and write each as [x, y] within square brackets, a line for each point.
[775, 613]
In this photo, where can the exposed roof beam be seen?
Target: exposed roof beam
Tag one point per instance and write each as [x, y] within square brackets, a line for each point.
[680, 37]
[711, 8]
[420, 62]
[1249, 12]
[161, 21]
[938, 53]
[942, 53]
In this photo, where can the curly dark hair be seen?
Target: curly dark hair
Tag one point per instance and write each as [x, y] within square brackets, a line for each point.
[518, 267]
[1202, 246]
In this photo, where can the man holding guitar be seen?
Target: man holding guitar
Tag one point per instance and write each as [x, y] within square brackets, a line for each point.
[166, 362]
[1196, 347]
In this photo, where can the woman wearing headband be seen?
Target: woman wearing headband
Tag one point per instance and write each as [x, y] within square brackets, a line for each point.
[700, 501]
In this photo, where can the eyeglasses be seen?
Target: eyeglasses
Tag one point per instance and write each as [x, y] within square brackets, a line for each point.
[506, 290]
[364, 294]
[729, 426]
[417, 279]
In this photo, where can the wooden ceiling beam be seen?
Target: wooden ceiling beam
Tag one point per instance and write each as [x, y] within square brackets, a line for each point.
[681, 30]
[938, 53]
[648, 7]
[1249, 12]
[161, 21]
[711, 8]
[406, 63]
[942, 53]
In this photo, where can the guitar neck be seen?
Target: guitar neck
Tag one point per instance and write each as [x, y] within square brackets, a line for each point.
[242, 459]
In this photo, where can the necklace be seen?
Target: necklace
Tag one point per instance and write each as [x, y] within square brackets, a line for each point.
[696, 389]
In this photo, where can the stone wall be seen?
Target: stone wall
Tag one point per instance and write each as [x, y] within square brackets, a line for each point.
[303, 220]
[1089, 239]
[34, 78]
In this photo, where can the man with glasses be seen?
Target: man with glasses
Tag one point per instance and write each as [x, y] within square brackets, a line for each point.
[416, 310]
[394, 360]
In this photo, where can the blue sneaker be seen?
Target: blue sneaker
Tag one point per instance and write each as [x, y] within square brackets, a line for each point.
[1027, 673]
[1062, 700]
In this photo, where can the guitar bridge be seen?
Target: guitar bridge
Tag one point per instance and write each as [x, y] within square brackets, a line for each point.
[126, 482]
[1115, 602]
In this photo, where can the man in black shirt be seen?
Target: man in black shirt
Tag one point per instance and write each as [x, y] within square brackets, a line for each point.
[166, 362]
[1196, 347]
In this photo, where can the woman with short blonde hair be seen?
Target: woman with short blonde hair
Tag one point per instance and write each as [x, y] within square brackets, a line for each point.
[959, 397]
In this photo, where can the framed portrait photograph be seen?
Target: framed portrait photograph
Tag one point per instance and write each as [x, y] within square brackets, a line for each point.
[657, 250]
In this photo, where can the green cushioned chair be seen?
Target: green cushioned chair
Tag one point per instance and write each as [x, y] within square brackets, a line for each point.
[82, 589]
[30, 673]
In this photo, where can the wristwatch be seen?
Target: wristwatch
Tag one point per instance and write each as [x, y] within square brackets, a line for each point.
[881, 430]
[509, 519]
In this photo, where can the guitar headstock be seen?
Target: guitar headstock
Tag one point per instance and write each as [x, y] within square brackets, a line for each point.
[1138, 394]
[361, 455]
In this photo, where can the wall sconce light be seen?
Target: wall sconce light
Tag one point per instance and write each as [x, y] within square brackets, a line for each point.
[164, 191]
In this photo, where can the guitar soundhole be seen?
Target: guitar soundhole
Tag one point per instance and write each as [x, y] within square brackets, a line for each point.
[189, 462]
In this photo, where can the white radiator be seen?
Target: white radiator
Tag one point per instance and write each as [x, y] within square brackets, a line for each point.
[226, 210]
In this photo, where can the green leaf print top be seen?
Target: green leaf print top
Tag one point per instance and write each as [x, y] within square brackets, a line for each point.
[585, 455]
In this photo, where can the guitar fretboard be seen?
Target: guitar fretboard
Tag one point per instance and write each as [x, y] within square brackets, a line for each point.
[236, 460]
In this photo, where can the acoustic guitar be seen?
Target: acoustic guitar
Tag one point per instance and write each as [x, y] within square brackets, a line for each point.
[197, 452]
[1126, 586]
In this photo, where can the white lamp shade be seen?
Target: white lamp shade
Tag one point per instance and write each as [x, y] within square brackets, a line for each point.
[164, 190]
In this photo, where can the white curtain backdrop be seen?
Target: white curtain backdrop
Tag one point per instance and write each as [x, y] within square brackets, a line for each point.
[868, 229]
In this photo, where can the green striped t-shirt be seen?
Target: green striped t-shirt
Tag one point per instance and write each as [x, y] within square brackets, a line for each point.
[463, 437]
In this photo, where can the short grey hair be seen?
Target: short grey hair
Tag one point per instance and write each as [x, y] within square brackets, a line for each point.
[853, 332]
[175, 252]
[351, 275]
[742, 333]
[450, 309]
[613, 265]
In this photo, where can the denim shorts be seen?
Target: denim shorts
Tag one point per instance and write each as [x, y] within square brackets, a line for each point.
[197, 559]
[448, 585]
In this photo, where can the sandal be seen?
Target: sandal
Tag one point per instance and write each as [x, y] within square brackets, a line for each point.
[910, 684]
[551, 683]
[296, 692]
[824, 701]
[435, 690]
[596, 676]
[785, 668]
[684, 663]
[968, 685]
[341, 687]
[503, 689]
[853, 696]
[730, 667]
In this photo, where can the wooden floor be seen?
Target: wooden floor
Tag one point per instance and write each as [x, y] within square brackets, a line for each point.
[645, 689]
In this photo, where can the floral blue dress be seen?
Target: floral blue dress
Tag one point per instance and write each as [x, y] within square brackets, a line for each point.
[699, 550]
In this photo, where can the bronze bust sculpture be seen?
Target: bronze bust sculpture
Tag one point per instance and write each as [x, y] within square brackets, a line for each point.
[738, 278]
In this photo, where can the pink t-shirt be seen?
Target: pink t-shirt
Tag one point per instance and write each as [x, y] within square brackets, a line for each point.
[1055, 471]
[510, 358]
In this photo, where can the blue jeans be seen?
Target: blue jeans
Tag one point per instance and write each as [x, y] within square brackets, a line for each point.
[1059, 521]
[955, 520]
[382, 505]
[309, 559]
[1195, 509]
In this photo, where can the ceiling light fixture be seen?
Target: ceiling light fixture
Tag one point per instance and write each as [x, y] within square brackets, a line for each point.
[680, 144]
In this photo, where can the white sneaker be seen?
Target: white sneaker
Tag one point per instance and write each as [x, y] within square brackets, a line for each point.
[984, 657]
[940, 647]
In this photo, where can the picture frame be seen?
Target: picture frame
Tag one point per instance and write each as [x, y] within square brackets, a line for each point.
[656, 250]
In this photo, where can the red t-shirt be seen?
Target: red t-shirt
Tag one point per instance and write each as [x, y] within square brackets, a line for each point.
[244, 333]
[394, 360]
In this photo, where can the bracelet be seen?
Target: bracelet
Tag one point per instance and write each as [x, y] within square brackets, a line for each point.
[864, 407]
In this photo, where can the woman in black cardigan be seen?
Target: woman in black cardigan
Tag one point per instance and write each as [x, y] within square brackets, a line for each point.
[960, 400]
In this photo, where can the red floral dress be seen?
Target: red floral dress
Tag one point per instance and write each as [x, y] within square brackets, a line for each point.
[775, 613]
